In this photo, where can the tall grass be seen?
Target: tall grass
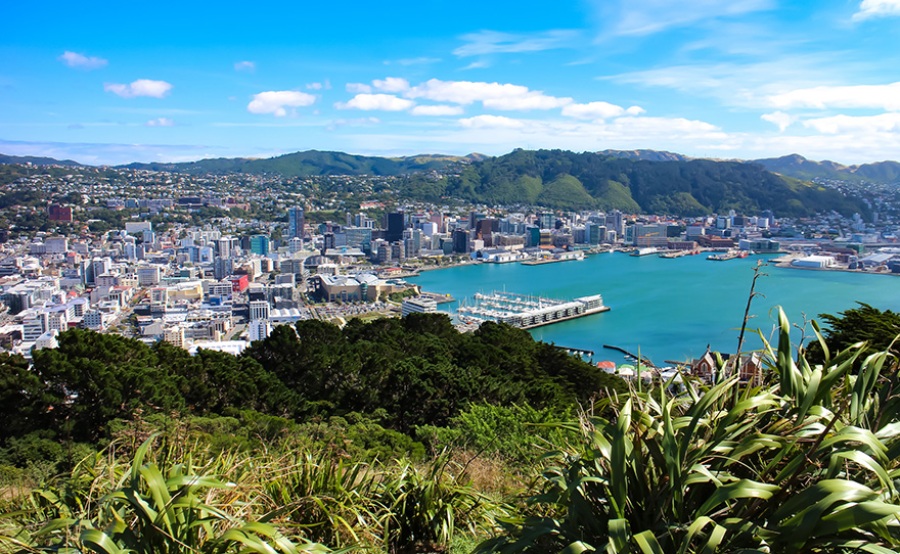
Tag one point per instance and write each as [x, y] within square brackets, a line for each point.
[806, 463]
[174, 499]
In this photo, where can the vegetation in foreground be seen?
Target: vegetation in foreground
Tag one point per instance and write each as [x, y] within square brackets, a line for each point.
[806, 462]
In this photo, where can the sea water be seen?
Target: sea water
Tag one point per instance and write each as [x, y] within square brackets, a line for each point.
[669, 309]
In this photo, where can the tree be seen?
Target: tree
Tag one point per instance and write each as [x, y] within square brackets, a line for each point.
[878, 329]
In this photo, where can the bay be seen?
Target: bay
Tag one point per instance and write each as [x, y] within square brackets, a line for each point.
[669, 309]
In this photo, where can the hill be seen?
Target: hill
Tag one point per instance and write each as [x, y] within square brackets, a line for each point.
[645, 155]
[36, 160]
[554, 178]
[799, 167]
[313, 162]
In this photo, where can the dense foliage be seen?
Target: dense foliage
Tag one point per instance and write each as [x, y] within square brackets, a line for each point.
[402, 373]
[806, 461]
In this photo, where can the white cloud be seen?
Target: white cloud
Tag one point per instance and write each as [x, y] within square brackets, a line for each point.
[367, 102]
[277, 102]
[886, 97]
[882, 123]
[877, 8]
[74, 59]
[391, 84]
[141, 87]
[491, 122]
[491, 95]
[421, 60]
[160, 122]
[779, 119]
[533, 100]
[313, 86]
[245, 66]
[645, 17]
[437, 110]
[598, 110]
[480, 64]
[495, 42]
[358, 88]
[746, 85]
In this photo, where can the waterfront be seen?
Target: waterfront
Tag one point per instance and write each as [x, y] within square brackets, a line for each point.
[667, 309]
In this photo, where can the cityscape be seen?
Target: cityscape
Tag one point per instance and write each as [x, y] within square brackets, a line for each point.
[462, 277]
[215, 261]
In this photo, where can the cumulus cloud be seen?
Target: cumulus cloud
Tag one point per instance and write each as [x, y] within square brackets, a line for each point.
[437, 110]
[391, 84]
[74, 59]
[494, 42]
[245, 66]
[368, 102]
[599, 110]
[886, 97]
[491, 122]
[160, 122]
[277, 102]
[358, 88]
[882, 123]
[877, 8]
[779, 119]
[532, 100]
[501, 96]
[141, 87]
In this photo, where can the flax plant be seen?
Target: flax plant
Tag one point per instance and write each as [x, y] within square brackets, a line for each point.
[807, 462]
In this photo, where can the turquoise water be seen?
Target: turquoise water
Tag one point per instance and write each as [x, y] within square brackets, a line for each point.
[670, 309]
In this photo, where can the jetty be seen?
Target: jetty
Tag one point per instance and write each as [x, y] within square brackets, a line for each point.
[526, 312]
[640, 359]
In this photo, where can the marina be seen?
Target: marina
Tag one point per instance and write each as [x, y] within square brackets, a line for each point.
[527, 312]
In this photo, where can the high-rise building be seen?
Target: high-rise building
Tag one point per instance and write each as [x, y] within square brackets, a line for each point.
[394, 227]
[259, 244]
[460, 241]
[295, 222]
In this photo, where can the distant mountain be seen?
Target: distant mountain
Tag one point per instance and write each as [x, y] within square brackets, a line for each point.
[799, 167]
[6, 159]
[314, 162]
[645, 155]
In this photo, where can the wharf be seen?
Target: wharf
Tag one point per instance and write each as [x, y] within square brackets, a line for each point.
[527, 312]
[640, 359]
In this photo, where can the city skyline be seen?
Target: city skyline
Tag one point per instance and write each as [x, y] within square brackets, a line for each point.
[748, 79]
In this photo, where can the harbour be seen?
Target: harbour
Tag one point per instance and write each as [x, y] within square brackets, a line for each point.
[667, 309]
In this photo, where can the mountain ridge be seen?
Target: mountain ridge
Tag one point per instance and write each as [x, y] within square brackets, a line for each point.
[324, 162]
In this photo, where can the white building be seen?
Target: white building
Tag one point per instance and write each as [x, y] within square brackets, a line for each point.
[258, 329]
[259, 309]
[148, 275]
[814, 262]
[420, 305]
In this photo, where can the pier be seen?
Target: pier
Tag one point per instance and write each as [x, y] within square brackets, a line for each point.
[526, 312]
[640, 359]
[578, 351]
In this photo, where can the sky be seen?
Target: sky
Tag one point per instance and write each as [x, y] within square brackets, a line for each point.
[115, 82]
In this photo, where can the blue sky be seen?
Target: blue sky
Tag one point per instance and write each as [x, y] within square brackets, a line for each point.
[114, 82]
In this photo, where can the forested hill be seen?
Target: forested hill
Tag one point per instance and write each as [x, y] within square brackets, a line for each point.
[630, 181]
[569, 180]
[313, 162]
